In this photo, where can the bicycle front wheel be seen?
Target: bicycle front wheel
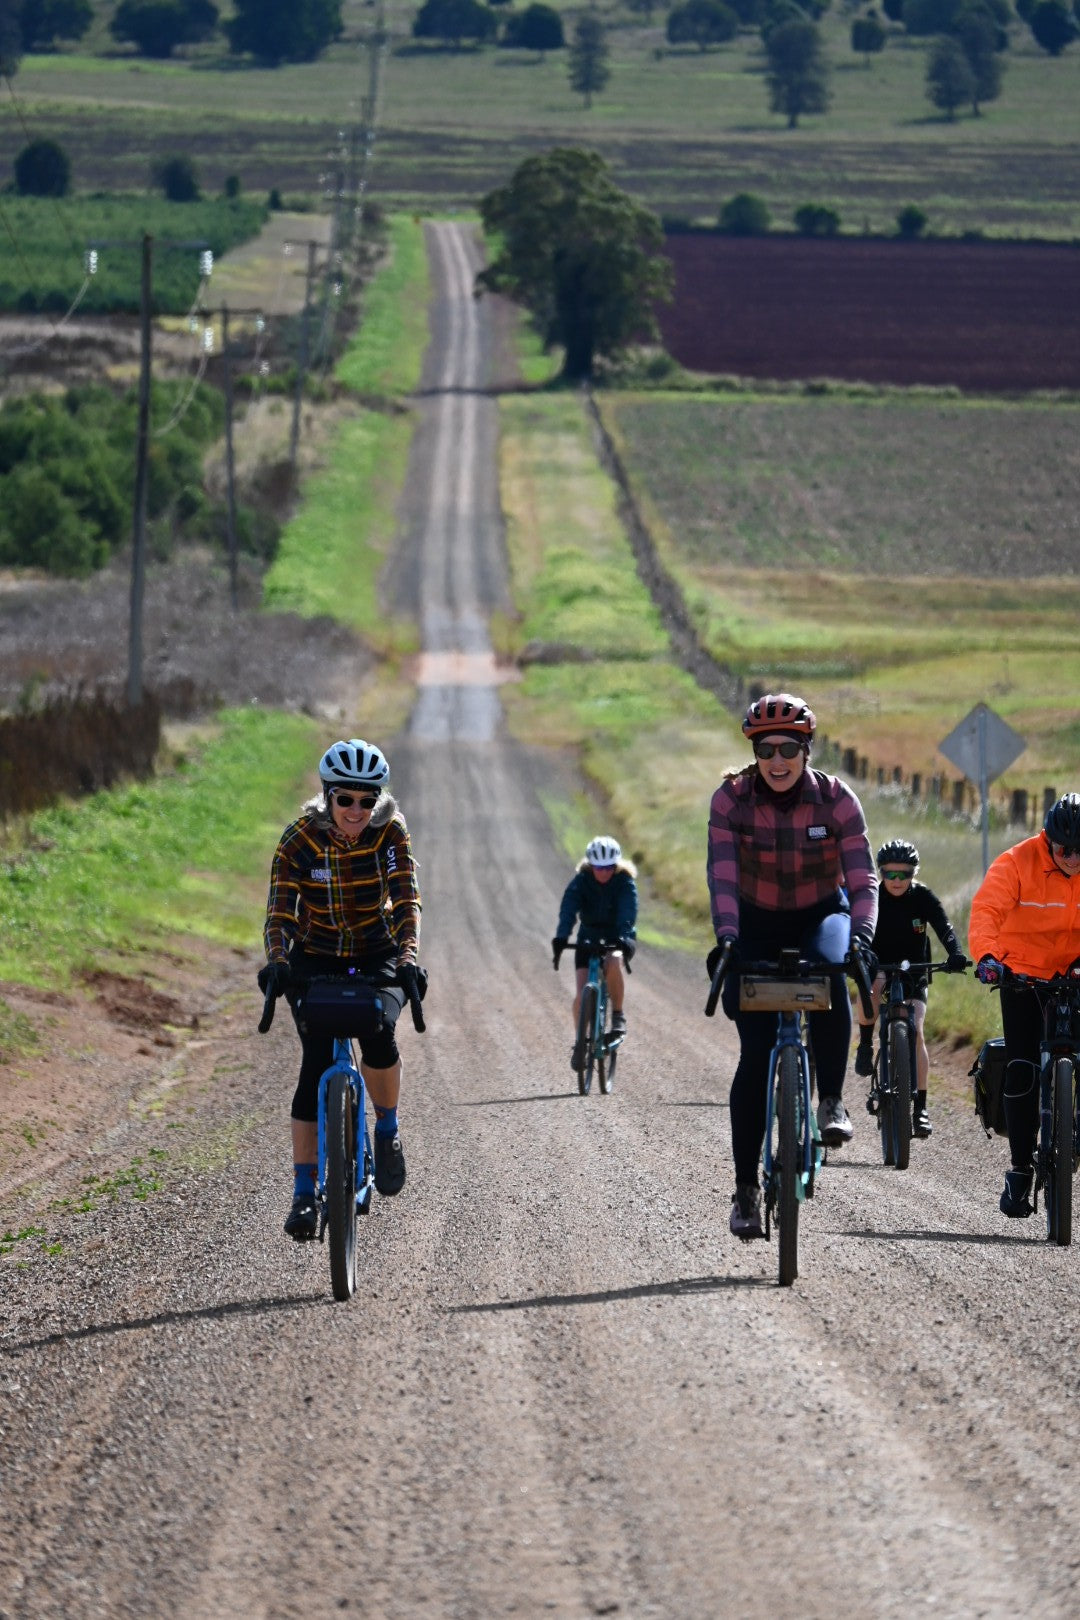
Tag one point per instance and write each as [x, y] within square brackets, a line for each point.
[605, 1060]
[586, 1049]
[1059, 1184]
[788, 1087]
[341, 1184]
[900, 1085]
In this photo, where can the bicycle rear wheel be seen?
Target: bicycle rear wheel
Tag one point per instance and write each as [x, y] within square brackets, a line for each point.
[900, 1085]
[586, 1021]
[1059, 1181]
[789, 1088]
[604, 1058]
[341, 1184]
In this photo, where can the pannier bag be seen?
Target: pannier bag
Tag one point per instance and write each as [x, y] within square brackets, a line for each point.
[988, 1073]
[344, 1008]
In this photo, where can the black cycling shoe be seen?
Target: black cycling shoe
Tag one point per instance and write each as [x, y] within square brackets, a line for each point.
[389, 1163]
[864, 1059]
[1015, 1201]
[302, 1221]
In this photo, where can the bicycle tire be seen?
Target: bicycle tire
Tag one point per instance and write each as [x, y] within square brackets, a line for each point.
[341, 1184]
[1059, 1183]
[607, 1073]
[603, 1057]
[900, 1085]
[885, 1108]
[789, 1085]
[586, 1015]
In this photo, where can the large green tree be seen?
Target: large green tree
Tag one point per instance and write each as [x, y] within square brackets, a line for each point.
[797, 74]
[578, 253]
[45, 21]
[278, 31]
[454, 20]
[1052, 26]
[701, 23]
[950, 82]
[589, 69]
[157, 27]
[10, 37]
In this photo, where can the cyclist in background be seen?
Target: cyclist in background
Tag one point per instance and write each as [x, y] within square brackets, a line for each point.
[343, 895]
[906, 909]
[1025, 918]
[789, 867]
[603, 894]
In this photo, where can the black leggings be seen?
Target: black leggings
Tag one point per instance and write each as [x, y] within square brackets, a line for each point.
[820, 932]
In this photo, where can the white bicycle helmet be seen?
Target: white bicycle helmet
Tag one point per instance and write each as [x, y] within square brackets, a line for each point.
[355, 763]
[603, 852]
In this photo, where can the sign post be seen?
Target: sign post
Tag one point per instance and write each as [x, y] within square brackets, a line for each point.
[983, 746]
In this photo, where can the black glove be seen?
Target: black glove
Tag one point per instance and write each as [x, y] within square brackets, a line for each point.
[409, 980]
[712, 961]
[558, 945]
[957, 961]
[862, 954]
[628, 948]
[275, 976]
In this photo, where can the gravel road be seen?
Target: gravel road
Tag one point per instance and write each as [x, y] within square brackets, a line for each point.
[563, 1389]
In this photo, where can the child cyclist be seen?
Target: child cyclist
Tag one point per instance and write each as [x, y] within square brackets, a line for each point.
[906, 908]
[603, 894]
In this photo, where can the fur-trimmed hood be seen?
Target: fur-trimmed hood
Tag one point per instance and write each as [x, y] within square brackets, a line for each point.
[622, 865]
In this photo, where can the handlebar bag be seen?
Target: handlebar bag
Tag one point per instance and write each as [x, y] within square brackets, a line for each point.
[342, 1009]
[988, 1073]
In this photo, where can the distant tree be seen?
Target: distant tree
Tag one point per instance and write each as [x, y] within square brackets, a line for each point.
[701, 23]
[749, 12]
[1024, 9]
[232, 187]
[42, 169]
[644, 7]
[538, 28]
[581, 255]
[157, 27]
[589, 69]
[744, 215]
[777, 12]
[868, 35]
[10, 37]
[797, 73]
[977, 36]
[454, 20]
[950, 82]
[911, 221]
[1052, 26]
[815, 219]
[178, 179]
[45, 21]
[277, 31]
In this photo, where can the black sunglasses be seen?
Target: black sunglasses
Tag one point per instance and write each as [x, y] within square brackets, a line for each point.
[1065, 851]
[366, 801]
[786, 750]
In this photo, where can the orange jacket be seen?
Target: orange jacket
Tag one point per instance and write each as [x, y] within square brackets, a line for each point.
[1027, 912]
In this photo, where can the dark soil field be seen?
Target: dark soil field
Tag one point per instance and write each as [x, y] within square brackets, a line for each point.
[982, 316]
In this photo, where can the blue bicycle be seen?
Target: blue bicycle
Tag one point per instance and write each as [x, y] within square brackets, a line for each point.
[345, 1176]
[794, 1153]
[597, 1046]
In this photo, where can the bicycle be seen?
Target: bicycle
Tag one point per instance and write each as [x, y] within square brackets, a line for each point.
[1059, 1099]
[345, 1175]
[893, 1083]
[597, 1045]
[792, 987]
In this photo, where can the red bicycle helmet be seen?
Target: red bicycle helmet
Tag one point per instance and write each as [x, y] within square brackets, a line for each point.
[779, 711]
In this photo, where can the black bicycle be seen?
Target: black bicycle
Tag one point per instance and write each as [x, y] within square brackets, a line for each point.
[894, 1079]
[597, 1046]
[1059, 1099]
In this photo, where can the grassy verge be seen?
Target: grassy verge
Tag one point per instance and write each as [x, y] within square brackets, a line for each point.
[650, 741]
[180, 858]
[332, 551]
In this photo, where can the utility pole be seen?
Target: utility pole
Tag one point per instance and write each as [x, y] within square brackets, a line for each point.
[301, 363]
[142, 447]
[230, 465]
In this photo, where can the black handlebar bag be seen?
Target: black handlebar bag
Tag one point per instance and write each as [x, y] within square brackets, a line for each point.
[342, 1008]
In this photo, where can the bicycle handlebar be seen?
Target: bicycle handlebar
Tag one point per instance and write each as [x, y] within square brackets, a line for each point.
[595, 947]
[803, 969]
[270, 1005]
[929, 968]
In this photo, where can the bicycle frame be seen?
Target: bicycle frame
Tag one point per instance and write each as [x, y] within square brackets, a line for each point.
[345, 1062]
[600, 1045]
[791, 1031]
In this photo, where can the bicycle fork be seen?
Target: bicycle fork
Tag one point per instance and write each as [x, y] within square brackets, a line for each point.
[811, 1146]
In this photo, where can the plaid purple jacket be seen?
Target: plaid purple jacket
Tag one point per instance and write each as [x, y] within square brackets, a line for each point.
[782, 855]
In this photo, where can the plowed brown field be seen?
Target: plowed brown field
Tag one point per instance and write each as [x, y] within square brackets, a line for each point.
[980, 315]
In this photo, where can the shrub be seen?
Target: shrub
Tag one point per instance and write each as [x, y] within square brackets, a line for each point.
[815, 219]
[42, 169]
[744, 215]
[178, 179]
[911, 221]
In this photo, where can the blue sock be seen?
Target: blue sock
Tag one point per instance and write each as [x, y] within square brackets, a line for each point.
[304, 1180]
[385, 1121]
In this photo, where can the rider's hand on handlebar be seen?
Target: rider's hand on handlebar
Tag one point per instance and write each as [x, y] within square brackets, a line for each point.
[275, 977]
[957, 962]
[989, 970]
[712, 961]
[409, 980]
[861, 956]
[558, 945]
[627, 947]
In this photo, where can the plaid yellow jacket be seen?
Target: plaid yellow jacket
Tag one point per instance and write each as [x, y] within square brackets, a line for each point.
[357, 900]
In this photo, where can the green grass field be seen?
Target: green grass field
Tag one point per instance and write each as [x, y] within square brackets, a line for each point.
[684, 130]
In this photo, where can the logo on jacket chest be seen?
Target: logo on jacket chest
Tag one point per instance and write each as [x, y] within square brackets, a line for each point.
[817, 833]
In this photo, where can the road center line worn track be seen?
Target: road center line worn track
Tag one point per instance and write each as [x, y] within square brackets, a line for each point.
[563, 1388]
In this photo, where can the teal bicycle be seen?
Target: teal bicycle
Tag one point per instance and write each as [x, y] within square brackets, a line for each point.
[597, 1046]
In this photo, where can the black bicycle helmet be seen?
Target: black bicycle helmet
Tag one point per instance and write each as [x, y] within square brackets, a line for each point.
[898, 849]
[779, 712]
[1062, 824]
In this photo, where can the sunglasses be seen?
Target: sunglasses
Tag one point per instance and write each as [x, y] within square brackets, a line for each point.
[1067, 852]
[366, 801]
[897, 877]
[786, 750]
